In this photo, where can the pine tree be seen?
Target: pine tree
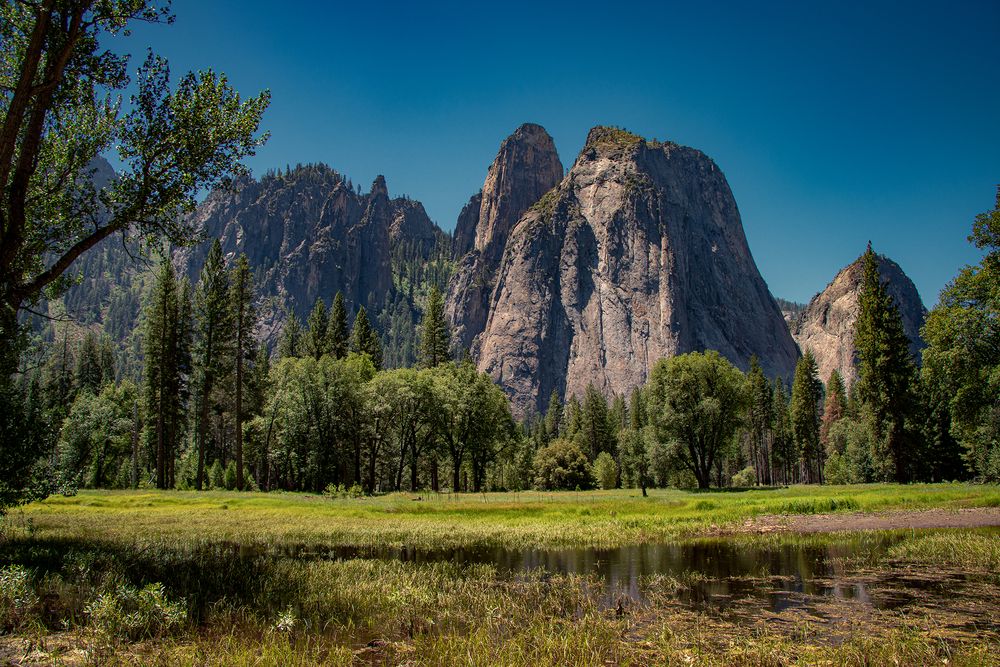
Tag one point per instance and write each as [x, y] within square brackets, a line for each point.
[553, 417]
[834, 408]
[435, 338]
[636, 410]
[161, 368]
[244, 319]
[572, 418]
[290, 344]
[760, 414]
[885, 372]
[806, 396]
[314, 343]
[89, 374]
[596, 430]
[365, 340]
[783, 453]
[336, 342]
[109, 372]
[213, 342]
[183, 337]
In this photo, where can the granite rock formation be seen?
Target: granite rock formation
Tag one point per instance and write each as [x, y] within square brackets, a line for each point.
[827, 325]
[525, 168]
[309, 234]
[637, 254]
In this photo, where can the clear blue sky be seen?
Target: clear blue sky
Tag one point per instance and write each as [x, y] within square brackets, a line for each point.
[834, 124]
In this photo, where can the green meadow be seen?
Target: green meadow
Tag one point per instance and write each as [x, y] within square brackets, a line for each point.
[516, 520]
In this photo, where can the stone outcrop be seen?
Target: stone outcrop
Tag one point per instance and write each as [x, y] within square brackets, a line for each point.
[526, 167]
[637, 254]
[827, 325]
[308, 234]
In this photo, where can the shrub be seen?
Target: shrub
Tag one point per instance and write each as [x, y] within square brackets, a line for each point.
[216, 475]
[606, 471]
[230, 480]
[340, 491]
[744, 478]
[129, 613]
[18, 599]
[562, 465]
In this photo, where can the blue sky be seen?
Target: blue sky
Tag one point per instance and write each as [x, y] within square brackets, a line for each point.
[835, 123]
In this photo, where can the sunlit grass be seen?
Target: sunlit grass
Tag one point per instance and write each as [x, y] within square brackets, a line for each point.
[528, 519]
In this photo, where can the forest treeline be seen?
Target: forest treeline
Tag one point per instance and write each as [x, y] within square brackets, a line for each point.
[319, 413]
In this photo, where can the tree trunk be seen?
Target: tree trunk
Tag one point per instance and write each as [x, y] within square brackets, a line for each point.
[135, 445]
[239, 408]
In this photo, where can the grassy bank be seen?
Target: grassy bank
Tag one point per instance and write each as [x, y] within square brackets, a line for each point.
[531, 519]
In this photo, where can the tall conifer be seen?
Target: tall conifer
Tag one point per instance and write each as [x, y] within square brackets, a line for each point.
[213, 342]
[245, 345]
[886, 372]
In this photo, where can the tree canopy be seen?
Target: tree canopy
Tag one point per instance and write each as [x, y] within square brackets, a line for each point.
[61, 109]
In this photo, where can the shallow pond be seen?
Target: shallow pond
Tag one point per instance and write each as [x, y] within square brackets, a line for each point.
[712, 574]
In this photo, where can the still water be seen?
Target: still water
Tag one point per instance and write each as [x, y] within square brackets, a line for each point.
[714, 574]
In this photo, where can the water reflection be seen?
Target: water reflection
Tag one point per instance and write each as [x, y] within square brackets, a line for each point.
[701, 574]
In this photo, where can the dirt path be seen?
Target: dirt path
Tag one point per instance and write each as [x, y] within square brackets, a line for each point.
[977, 517]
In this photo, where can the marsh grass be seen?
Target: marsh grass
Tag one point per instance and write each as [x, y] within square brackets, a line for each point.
[174, 578]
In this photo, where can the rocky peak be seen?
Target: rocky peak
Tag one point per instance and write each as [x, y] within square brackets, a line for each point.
[308, 234]
[379, 188]
[639, 253]
[525, 168]
[826, 326]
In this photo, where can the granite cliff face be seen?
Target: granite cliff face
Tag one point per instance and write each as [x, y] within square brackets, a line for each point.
[525, 168]
[309, 234]
[637, 254]
[827, 325]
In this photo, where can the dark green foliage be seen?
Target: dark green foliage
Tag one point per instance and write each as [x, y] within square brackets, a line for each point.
[562, 465]
[553, 416]
[337, 335]
[572, 418]
[213, 344]
[418, 265]
[435, 336]
[697, 401]
[89, 370]
[637, 410]
[961, 364]
[595, 434]
[59, 111]
[886, 375]
[96, 437]
[163, 379]
[365, 340]
[807, 394]
[760, 417]
[290, 344]
[314, 341]
[784, 456]
[244, 319]
[635, 458]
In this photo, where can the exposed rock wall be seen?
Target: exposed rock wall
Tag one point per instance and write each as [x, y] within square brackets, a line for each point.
[639, 253]
[309, 234]
[827, 325]
[525, 168]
